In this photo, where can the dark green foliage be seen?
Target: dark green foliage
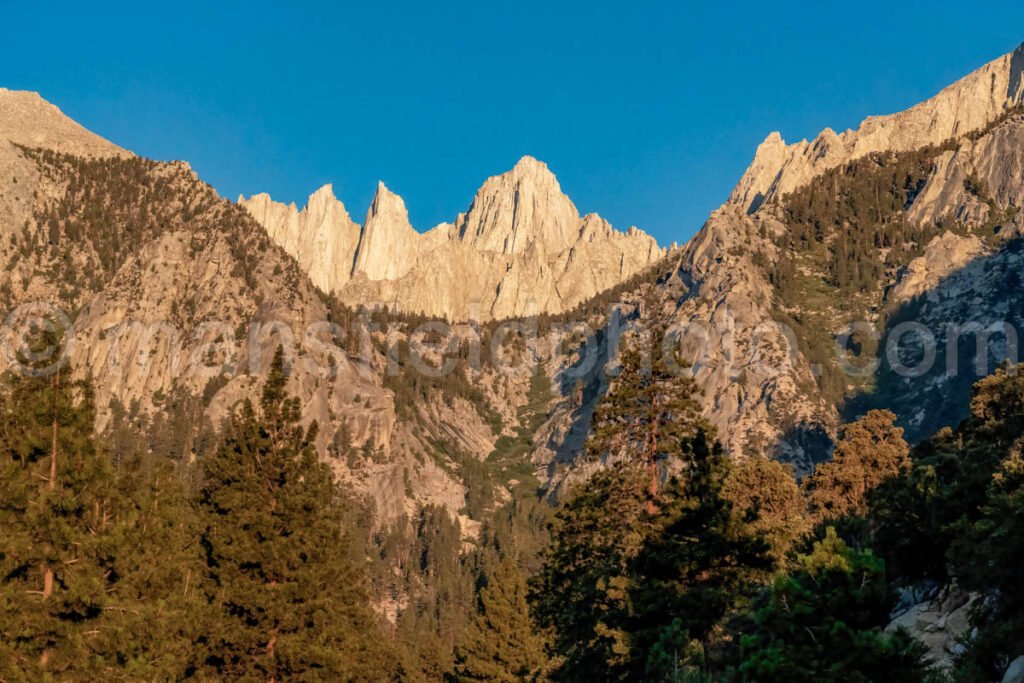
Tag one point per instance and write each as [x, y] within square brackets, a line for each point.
[823, 624]
[648, 413]
[501, 642]
[986, 555]
[108, 208]
[624, 584]
[58, 501]
[438, 583]
[158, 602]
[287, 601]
[639, 568]
[95, 563]
[852, 213]
[700, 562]
[582, 591]
[956, 513]
[918, 515]
[766, 496]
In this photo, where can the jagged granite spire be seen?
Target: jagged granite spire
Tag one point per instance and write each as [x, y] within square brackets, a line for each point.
[521, 247]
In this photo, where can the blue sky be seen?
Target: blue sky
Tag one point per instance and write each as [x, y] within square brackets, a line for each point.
[647, 111]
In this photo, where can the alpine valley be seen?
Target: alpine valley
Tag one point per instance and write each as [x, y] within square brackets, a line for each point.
[523, 445]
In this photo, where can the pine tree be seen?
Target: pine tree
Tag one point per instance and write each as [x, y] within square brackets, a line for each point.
[700, 561]
[582, 591]
[766, 496]
[824, 624]
[58, 506]
[649, 411]
[986, 556]
[158, 607]
[440, 590]
[608, 580]
[501, 643]
[870, 451]
[287, 601]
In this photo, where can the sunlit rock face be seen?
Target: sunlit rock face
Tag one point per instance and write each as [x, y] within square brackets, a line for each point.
[969, 104]
[521, 248]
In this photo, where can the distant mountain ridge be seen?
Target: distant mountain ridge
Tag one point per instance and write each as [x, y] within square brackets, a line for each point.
[520, 249]
[969, 104]
[27, 119]
[911, 217]
[945, 251]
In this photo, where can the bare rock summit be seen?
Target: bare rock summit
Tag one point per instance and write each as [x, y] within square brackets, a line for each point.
[27, 119]
[520, 248]
[967, 105]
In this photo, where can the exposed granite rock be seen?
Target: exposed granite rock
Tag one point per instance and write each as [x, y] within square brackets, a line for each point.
[944, 254]
[1015, 671]
[966, 105]
[521, 249]
[388, 245]
[29, 120]
[322, 237]
[939, 624]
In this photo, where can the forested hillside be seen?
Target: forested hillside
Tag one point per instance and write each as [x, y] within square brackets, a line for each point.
[789, 451]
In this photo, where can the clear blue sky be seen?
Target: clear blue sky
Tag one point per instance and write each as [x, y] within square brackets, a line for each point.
[647, 112]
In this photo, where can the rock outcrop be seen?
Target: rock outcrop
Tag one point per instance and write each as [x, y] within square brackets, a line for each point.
[27, 119]
[520, 249]
[320, 237]
[766, 359]
[388, 245]
[940, 623]
[969, 104]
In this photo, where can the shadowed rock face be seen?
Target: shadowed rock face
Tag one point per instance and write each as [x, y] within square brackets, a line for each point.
[520, 249]
[763, 394]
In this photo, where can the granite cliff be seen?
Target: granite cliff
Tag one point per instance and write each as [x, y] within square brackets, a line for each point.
[520, 249]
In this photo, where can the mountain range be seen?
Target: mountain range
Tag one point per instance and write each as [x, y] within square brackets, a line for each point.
[520, 249]
[453, 374]
[752, 297]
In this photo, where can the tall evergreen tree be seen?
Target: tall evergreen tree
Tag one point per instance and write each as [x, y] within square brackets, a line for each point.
[440, 590]
[582, 591]
[986, 556]
[649, 411]
[824, 624]
[700, 561]
[58, 511]
[765, 494]
[158, 607]
[870, 451]
[631, 558]
[501, 642]
[287, 601]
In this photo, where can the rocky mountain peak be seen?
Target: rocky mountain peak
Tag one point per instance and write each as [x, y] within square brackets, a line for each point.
[324, 207]
[521, 245]
[969, 104]
[27, 119]
[322, 236]
[388, 243]
[513, 210]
